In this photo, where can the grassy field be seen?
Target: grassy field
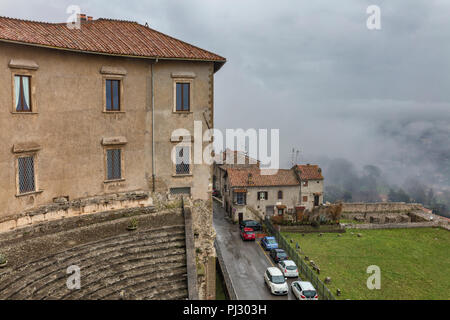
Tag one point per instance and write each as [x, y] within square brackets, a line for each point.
[414, 263]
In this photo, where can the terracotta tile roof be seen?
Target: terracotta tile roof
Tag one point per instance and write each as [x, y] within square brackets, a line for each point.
[309, 172]
[239, 177]
[104, 36]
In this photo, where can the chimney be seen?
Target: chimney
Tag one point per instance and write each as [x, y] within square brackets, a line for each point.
[82, 17]
[89, 18]
[250, 178]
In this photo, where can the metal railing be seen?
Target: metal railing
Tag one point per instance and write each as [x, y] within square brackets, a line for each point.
[304, 270]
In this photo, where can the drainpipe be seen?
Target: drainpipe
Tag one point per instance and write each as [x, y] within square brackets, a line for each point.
[153, 130]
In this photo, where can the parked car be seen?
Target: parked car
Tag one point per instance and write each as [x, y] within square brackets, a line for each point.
[275, 281]
[288, 268]
[255, 225]
[269, 243]
[278, 255]
[303, 290]
[248, 234]
[216, 193]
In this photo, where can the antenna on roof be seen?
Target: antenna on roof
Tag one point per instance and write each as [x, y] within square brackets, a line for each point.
[146, 24]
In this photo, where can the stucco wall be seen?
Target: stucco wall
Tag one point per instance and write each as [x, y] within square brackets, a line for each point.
[70, 124]
[313, 187]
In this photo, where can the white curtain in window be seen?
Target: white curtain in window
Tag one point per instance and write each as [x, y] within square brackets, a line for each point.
[26, 91]
[17, 90]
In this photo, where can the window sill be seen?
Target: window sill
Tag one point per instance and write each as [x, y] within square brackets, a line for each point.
[24, 112]
[182, 112]
[113, 112]
[182, 175]
[29, 193]
[112, 181]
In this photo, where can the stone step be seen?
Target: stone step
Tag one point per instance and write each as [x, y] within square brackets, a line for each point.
[89, 250]
[55, 284]
[148, 276]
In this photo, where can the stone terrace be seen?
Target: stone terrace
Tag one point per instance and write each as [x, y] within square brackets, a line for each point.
[149, 263]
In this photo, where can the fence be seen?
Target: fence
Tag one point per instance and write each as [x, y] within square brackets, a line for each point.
[303, 268]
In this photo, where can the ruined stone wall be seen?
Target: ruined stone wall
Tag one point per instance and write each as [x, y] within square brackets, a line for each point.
[204, 236]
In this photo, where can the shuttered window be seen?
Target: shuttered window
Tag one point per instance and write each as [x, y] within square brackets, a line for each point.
[112, 95]
[114, 164]
[183, 94]
[26, 174]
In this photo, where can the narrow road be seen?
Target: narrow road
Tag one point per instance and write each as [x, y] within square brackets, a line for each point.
[246, 261]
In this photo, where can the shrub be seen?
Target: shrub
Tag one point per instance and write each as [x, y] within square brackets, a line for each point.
[315, 224]
[3, 259]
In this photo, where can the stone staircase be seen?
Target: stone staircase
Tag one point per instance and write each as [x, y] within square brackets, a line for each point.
[148, 264]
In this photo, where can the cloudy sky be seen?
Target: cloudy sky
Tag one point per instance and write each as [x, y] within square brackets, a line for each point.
[312, 69]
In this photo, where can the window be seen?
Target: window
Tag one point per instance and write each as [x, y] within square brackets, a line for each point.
[241, 198]
[280, 212]
[182, 160]
[183, 96]
[114, 164]
[263, 195]
[280, 195]
[112, 95]
[26, 174]
[186, 191]
[305, 199]
[305, 183]
[22, 91]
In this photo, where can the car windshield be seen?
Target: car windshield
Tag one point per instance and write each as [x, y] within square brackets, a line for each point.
[271, 241]
[309, 293]
[278, 279]
[249, 232]
[291, 267]
[282, 255]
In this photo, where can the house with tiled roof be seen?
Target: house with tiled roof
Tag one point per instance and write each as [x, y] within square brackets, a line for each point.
[249, 192]
[90, 110]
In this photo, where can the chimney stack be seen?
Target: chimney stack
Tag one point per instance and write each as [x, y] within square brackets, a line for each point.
[82, 17]
[89, 18]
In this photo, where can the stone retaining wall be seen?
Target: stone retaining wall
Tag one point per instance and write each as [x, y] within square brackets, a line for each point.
[311, 229]
[371, 226]
[61, 208]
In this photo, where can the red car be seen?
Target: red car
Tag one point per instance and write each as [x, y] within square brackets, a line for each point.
[248, 234]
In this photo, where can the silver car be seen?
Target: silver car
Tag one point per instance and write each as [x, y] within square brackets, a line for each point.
[303, 290]
[288, 268]
[276, 282]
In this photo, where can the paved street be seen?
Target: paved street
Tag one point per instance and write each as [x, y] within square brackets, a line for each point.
[245, 261]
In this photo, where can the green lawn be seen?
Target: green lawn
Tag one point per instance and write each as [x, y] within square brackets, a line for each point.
[414, 263]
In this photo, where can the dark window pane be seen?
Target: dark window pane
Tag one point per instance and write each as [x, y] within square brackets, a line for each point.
[26, 175]
[186, 96]
[22, 93]
[114, 168]
[179, 96]
[108, 95]
[116, 95]
[182, 160]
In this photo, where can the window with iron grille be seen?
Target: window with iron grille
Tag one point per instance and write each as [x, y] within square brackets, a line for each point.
[114, 164]
[186, 190]
[22, 93]
[26, 174]
[183, 96]
[182, 160]
[112, 95]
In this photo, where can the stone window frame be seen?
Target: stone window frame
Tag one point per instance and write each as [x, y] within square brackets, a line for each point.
[121, 79]
[183, 78]
[25, 154]
[121, 147]
[173, 159]
[33, 101]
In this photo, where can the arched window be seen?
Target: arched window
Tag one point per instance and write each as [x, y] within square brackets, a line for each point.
[280, 195]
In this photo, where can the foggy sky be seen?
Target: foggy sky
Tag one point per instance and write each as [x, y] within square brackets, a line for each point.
[313, 70]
